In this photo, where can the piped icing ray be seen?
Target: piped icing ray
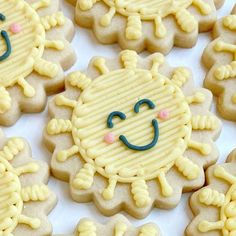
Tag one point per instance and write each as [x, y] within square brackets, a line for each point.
[118, 225]
[132, 138]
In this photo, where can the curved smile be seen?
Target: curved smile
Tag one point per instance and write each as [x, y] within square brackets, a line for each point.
[146, 147]
[8, 45]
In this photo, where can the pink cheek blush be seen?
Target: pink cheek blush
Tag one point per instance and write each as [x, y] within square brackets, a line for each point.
[164, 114]
[109, 138]
[15, 28]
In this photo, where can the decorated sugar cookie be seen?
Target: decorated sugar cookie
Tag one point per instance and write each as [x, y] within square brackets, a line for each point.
[155, 25]
[117, 226]
[25, 199]
[214, 205]
[131, 133]
[34, 51]
[220, 59]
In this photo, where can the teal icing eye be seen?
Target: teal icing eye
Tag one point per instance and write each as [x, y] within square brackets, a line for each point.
[119, 114]
[148, 102]
[2, 17]
[5, 37]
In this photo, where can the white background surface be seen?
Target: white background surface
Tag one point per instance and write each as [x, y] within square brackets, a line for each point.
[67, 213]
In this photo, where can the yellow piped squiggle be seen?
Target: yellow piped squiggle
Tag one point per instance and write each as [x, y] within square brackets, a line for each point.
[212, 197]
[56, 126]
[148, 230]
[230, 22]
[87, 228]
[204, 122]
[84, 179]
[35, 193]
[56, 19]
[140, 192]
[12, 148]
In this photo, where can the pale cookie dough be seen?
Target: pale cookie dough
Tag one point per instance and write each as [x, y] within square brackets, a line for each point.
[117, 226]
[131, 134]
[34, 52]
[214, 206]
[155, 25]
[220, 59]
[25, 199]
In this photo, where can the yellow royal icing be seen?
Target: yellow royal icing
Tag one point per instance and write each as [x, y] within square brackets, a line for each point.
[225, 202]
[86, 228]
[137, 11]
[148, 230]
[12, 195]
[27, 46]
[89, 228]
[228, 71]
[5, 99]
[117, 163]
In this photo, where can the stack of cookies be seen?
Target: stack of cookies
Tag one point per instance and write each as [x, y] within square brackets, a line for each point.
[128, 133]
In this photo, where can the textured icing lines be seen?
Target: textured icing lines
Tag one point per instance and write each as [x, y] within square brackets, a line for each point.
[111, 92]
[225, 72]
[226, 202]
[150, 10]
[27, 36]
[13, 195]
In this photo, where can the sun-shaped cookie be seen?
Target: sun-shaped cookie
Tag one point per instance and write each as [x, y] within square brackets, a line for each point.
[138, 132]
[33, 53]
[220, 59]
[117, 226]
[155, 25]
[214, 206]
[25, 199]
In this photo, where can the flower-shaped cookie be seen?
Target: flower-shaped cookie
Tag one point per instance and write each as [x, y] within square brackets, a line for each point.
[131, 133]
[25, 199]
[34, 51]
[220, 59]
[155, 25]
[117, 226]
[214, 206]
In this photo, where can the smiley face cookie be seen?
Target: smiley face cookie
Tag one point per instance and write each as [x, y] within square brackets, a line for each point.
[214, 205]
[117, 226]
[131, 133]
[34, 51]
[220, 59]
[25, 199]
[155, 25]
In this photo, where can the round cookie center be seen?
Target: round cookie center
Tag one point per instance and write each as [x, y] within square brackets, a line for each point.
[121, 90]
[148, 8]
[26, 38]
